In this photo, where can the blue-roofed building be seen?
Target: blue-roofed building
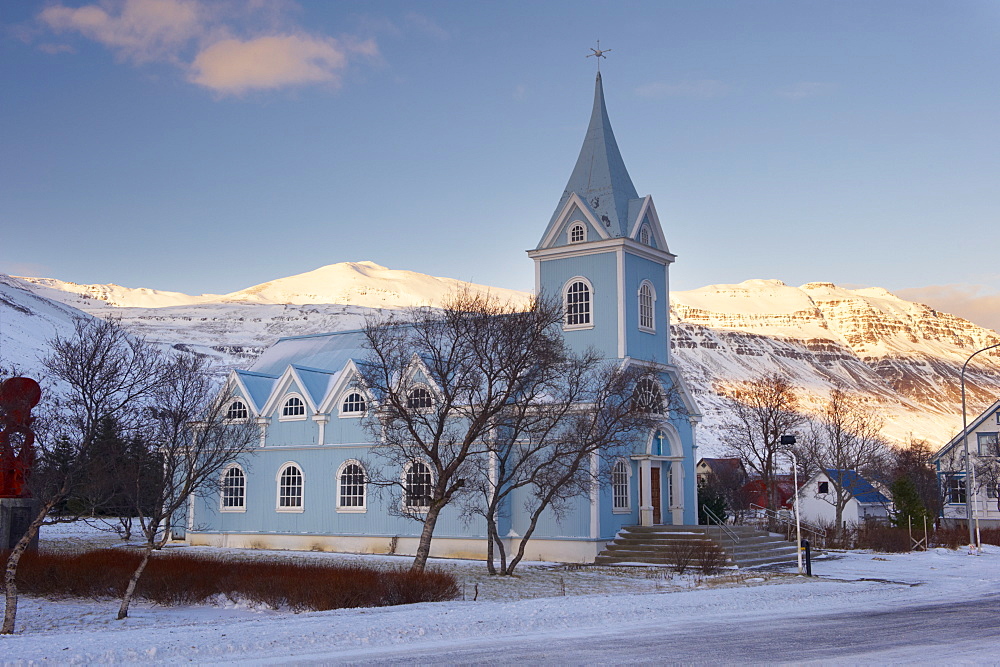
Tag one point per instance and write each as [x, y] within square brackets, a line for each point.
[818, 498]
[982, 436]
[604, 252]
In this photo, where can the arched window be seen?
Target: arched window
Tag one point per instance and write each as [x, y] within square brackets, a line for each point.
[619, 485]
[646, 299]
[577, 233]
[577, 304]
[648, 397]
[354, 404]
[417, 486]
[290, 487]
[237, 410]
[351, 487]
[234, 489]
[419, 398]
[644, 235]
[293, 407]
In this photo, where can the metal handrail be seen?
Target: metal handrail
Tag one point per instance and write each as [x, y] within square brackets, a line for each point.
[820, 533]
[711, 516]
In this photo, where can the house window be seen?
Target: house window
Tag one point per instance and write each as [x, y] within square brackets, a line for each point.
[417, 486]
[644, 235]
[577, 233]
[988, 444]
[351, 487]
[619, 485]
[955, 490]
[237, 410]
[290, 483]
[577, 304]
[419, 399]
[646, 299]
[354, 404]
[293, 407]
[991, 490]
[647, 396]
[234, 489]
[823, 487]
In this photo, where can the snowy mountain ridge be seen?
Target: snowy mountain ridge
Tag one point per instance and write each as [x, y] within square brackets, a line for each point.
[904, 357]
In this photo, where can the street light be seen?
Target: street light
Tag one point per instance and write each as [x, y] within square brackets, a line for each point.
[790, 440]
[970, 475]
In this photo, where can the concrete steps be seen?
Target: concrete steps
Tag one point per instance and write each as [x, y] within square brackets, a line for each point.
[658, 545]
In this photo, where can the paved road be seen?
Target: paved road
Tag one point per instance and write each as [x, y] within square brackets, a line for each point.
[936, 632]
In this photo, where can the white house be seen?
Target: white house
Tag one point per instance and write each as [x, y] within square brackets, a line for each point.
[982, 433]
[817, 498]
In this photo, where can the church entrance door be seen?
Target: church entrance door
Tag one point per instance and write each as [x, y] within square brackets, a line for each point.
[654, 488]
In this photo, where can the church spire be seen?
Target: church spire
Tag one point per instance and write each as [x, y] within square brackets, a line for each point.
[600, 177]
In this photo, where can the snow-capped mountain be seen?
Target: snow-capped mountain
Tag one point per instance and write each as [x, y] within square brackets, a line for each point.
[904, 356]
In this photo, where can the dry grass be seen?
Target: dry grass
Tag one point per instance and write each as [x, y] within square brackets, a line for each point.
[183, 579]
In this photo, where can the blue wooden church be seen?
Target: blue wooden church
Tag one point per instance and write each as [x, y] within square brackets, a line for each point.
[305, 488]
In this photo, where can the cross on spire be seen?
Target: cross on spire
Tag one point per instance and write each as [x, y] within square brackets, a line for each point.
[598, 53]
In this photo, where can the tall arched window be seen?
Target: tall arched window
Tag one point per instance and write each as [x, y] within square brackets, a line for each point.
[351, 487]
[419, 398]
[290, 488]
[646, 299]
[577, 233]
[644, 235]
[648, 397]
[234, 490]
[417, 486]
[577, 304]
[293, 407]
[237, 410]
[619, 485]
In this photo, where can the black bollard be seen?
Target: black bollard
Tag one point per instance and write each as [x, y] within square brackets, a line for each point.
[809, 566]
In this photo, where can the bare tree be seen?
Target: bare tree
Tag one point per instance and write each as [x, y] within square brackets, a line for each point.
[443, 381]
[194, 442]
[913, 462]
[103, 373]
[553, 444]
[761, 411]
[846, 436]
[987, 469]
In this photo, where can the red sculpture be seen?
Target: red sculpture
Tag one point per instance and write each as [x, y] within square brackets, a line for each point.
[17, 397]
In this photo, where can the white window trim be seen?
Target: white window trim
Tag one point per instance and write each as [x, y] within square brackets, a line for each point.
[415, 509]
[649, 235]
[222, 481]
[364, 498]
[628, 488]
[293, 418]
[343, 399]
[569, 232]
[246, 404]
[277, 490]
[659, 391]
[652, 292]
[430, 392]
[565, 292]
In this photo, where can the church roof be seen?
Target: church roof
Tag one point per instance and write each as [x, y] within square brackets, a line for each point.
[600, 177]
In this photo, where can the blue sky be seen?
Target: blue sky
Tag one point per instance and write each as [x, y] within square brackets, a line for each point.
[205, 146]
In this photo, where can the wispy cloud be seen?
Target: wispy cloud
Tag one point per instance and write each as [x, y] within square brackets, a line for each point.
[976, 303]
[804, 89]
[427, 26]
[229, 48]
[701, 89]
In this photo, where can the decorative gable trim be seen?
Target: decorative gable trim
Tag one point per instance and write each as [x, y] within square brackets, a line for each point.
[559, 226]
[648, 208]
[283, 387]
[348, 377]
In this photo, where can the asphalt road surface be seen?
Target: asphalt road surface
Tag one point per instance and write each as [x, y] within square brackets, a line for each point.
[968, 631]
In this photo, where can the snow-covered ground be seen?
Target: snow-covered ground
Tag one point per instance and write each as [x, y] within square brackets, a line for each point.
[547, 601]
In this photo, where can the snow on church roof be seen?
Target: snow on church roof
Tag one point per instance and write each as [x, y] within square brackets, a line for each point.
[327, 352]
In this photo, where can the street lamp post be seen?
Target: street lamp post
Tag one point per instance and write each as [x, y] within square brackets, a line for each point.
[970, 475]
[790, 440]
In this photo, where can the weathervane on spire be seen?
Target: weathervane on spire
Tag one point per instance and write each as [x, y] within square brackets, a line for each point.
[598, 53]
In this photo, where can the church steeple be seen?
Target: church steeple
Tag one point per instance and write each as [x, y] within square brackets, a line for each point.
[600, 177]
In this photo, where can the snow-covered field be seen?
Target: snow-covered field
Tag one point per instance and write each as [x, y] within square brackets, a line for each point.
[546, 601]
